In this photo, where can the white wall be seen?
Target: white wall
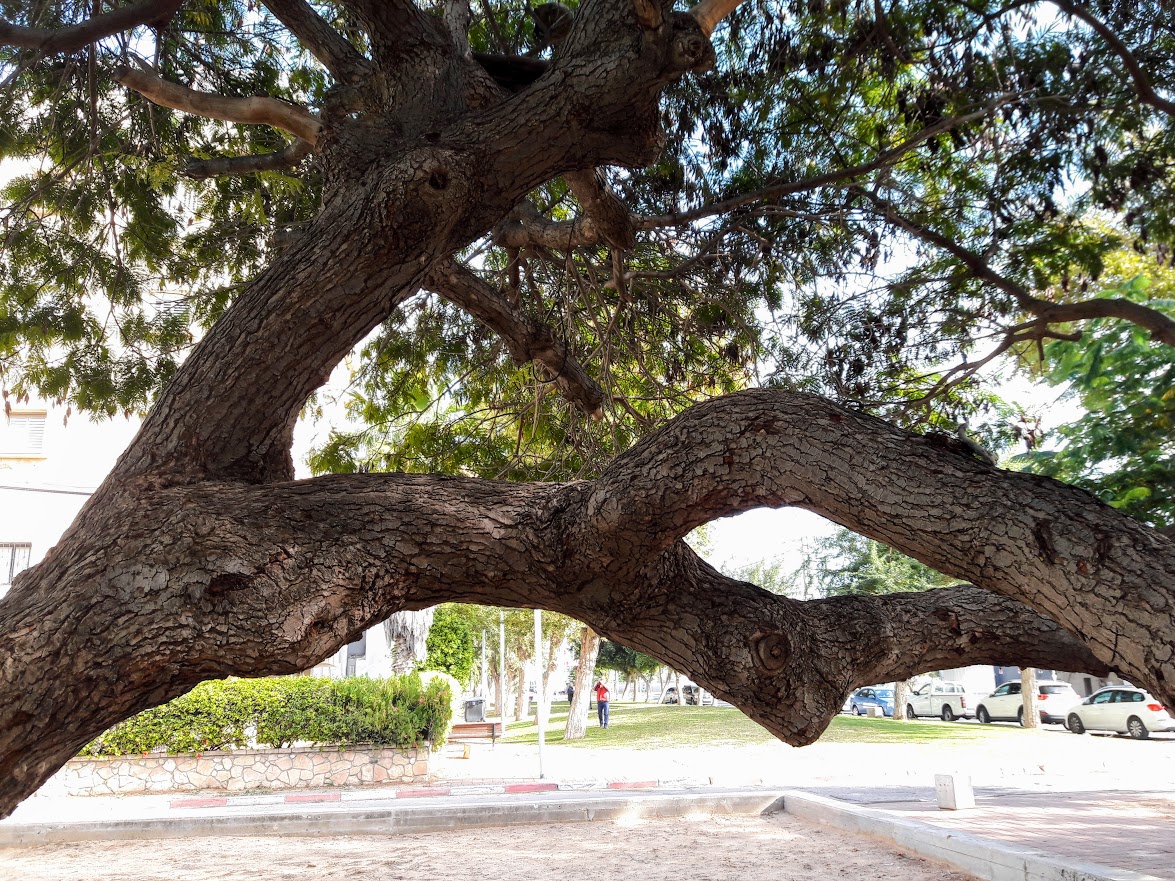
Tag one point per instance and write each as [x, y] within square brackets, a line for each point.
[42, 492]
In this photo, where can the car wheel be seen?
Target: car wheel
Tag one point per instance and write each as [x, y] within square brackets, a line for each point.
[856, 710]
[910, 714]
[1020, 716]
[1074, 724]
[982, 715]
[1136, 729]
[948, 715]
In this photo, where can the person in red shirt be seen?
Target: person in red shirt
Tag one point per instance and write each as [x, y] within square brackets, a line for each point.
[601, 691]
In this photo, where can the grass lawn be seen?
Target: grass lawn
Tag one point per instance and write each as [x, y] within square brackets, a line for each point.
[649, 726]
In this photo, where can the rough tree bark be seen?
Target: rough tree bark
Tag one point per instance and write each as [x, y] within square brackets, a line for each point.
[199, 557]
[577, 713]
[1030, 709]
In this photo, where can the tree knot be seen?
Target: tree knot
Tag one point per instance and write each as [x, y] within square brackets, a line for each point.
[770, 651]
[691, 49]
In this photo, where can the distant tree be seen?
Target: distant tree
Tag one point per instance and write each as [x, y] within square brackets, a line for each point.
[846, 563]
[629, 663]
[450, 643]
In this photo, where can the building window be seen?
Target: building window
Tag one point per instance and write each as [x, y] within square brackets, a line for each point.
[14, 559]
[23, 434]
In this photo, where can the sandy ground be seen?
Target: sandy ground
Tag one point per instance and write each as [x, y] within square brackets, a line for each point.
[775, 848]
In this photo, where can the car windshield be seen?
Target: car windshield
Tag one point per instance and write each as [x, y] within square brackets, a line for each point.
[886, 693]
[1054, 689]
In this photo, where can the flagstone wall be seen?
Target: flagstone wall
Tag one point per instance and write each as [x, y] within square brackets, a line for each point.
[242, 770]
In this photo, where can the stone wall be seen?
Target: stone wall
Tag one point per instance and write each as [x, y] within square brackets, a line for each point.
[240, 770]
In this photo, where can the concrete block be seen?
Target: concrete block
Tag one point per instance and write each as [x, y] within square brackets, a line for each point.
[954, 792]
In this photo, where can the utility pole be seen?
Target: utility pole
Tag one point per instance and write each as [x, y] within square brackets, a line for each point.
[502, 668]
[485, 683]
[538, 678]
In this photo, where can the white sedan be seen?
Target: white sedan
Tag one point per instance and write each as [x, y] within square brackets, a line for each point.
[1120, 708]
[1006, 703]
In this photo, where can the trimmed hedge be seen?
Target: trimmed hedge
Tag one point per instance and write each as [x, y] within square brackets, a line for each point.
[278, 712]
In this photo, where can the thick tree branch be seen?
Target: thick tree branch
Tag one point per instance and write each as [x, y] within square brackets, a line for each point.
[607, 216]
[1139, 79]
[1161, 328]
[251, 111]
[1049, 545]
[250, 580]
[70, 39]
[527, 339]
[335, 51]
[279, 160]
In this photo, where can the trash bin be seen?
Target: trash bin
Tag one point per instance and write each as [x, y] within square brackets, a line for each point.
[475, 710]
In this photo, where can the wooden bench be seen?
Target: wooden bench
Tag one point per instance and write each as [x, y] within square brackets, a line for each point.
[471, 732]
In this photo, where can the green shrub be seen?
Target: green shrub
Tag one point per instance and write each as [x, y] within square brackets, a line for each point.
[279, 712]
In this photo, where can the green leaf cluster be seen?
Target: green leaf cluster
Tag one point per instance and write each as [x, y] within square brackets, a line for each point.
[281, 712]
[1122, 449]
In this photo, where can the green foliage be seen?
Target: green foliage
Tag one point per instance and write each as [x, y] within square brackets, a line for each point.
[846, 563]
[1123, 448]
[450, 643]
[629, 663]
[114, 263]
[280, 712]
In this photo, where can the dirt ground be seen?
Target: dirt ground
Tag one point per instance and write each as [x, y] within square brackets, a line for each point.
[775, 848]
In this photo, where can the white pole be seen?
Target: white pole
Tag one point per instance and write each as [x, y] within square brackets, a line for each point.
[539, 715]
[502, 667]
[485, 683]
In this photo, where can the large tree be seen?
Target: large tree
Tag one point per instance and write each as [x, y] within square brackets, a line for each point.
[892, 182]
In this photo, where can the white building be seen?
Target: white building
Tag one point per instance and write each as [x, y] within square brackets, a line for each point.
[49, 466]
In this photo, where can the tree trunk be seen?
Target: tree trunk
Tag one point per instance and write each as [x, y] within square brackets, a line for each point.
[577, 713]
[1031, 709]
[680, 690]
[522, 710]
[901, 696]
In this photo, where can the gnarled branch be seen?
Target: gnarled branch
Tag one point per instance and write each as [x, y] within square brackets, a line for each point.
[1033, 539]
[74, 37]
[526, 339]
[253, 111]
[607, 217]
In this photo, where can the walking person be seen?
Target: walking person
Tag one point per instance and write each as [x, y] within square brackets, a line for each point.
[601, 691]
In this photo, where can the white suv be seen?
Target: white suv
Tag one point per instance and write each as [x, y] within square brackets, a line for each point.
[1006, 703]
[1121, 708]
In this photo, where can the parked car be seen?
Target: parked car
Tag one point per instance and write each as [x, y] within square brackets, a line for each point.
[862, 699]
[947, 700]
[1006, 703]
[691, 695]
[1121, 708]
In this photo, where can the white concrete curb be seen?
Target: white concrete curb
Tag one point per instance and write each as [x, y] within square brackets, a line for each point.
[982, 857]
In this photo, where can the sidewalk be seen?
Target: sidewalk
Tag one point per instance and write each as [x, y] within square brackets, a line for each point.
[1106, 802]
